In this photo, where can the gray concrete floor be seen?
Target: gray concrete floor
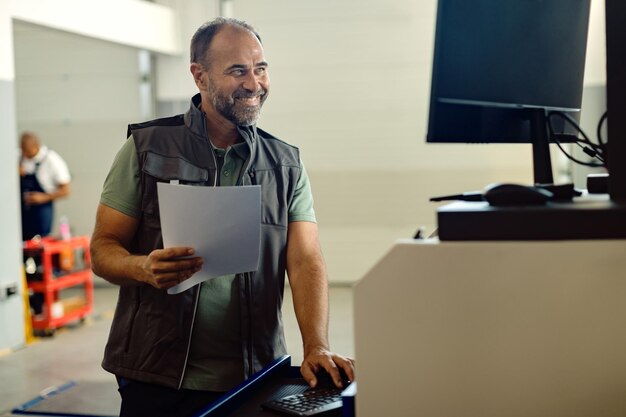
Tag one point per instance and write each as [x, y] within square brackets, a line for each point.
[74, 352]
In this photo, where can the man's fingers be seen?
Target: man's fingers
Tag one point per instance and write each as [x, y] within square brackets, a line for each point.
[192, 264]
[177, 252]
[347, 365]
[171, 253]
[165, 268]
[166, 283]
[173, 260]
[168, 280]
[308, 373]
[333, 371]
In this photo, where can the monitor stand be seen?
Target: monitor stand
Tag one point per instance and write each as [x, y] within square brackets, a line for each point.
[542, 164]
[586, 217]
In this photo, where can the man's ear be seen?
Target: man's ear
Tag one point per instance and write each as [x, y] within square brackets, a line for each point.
[198, 71]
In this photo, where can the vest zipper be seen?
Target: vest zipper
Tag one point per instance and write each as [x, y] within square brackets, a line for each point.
[193, 319]
[206, 135]
[247, 284]
[250, 327]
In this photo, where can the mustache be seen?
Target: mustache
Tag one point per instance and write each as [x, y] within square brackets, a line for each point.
[241, 93]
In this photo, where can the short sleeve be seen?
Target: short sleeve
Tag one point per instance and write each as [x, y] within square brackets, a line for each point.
[121, 190]
[60, 171]
[301, 207]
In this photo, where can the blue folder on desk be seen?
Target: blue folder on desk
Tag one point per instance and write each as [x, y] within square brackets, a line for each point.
[275, 380]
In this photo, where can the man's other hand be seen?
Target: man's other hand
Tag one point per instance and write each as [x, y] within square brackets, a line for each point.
[35, 198]
[321, 358]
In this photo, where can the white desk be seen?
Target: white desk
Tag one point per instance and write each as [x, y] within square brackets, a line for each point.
[486, 329]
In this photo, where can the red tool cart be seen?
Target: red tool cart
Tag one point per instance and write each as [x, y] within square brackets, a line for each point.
[55, 272]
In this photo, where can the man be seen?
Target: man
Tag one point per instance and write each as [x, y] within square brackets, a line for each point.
[44, 177]
[173, 354]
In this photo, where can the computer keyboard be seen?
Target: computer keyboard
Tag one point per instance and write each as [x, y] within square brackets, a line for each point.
[309, 403]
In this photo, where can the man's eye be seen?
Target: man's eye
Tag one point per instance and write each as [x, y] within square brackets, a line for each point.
[261, 70]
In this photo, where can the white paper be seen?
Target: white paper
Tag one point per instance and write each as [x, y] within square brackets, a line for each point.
[222, 224]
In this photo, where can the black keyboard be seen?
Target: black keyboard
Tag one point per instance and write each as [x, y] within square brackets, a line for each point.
[309, 403]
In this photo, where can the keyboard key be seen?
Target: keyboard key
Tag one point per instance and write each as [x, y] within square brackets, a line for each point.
[310, 403]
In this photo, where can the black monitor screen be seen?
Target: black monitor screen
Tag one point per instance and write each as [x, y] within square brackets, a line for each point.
[495, 60]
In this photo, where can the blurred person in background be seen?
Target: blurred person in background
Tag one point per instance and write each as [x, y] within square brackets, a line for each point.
[44, 178]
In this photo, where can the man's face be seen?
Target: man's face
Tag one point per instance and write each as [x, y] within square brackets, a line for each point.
[237, 82]
[30, 146]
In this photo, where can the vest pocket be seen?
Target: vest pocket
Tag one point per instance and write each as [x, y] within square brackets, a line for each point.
[158, 168]
[173, 168]
[276, 194]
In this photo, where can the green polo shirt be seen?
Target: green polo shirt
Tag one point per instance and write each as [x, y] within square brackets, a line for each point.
[215, 360]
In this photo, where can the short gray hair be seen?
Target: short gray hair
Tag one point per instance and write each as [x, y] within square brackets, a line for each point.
[201, 40]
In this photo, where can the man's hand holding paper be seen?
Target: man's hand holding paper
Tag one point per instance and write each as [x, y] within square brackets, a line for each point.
[165, 268]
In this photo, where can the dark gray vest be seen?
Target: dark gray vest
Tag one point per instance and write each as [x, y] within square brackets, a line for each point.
[151, 330]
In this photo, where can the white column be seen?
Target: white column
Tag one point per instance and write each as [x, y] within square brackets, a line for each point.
[227, 8]
[11, 308]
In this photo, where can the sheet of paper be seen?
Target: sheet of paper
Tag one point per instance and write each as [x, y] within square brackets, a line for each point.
[222, 224]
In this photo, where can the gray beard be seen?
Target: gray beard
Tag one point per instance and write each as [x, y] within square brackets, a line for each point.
[234, 111]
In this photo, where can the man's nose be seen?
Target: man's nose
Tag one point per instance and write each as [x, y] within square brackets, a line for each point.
[252, 82]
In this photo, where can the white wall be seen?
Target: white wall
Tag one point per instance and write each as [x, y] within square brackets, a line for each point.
[594, 93]
[173, 78]
[595, 64]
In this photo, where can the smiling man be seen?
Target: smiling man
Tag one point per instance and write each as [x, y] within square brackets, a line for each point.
[173, 354]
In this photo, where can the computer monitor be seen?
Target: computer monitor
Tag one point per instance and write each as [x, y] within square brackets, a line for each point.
[500, 66]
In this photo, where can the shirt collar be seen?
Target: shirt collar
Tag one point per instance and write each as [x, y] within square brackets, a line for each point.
[241, 150]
